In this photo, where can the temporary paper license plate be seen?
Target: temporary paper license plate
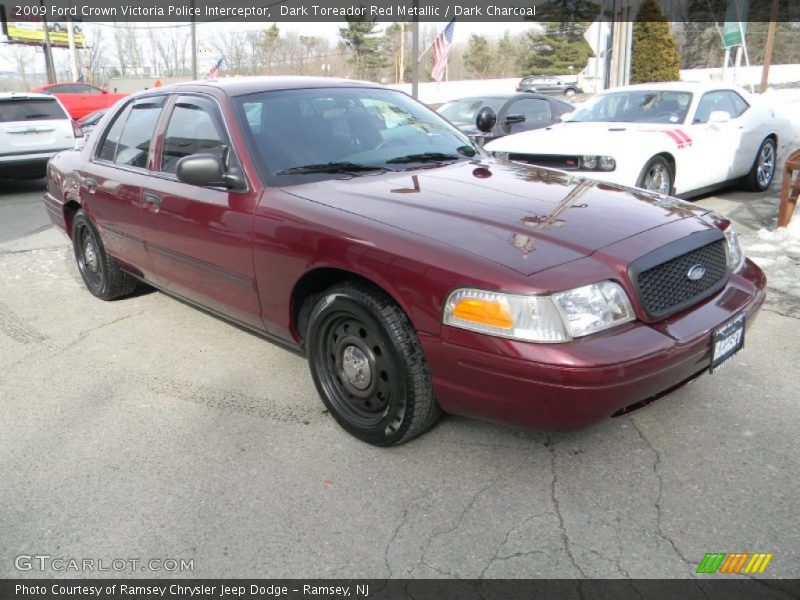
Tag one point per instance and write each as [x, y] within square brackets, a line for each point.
[727, 341]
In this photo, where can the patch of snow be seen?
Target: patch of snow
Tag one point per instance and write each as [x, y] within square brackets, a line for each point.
[777, 251]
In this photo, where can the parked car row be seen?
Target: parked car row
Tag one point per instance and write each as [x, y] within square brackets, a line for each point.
[417, 273]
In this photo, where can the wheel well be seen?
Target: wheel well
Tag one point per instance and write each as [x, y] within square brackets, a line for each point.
[70, 210]
[312, 284]
[670, 160]
[774, 138]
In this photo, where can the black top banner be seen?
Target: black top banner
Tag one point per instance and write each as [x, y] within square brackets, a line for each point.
[543, 11]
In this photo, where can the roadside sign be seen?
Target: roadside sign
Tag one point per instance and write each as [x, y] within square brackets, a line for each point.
[735, 23]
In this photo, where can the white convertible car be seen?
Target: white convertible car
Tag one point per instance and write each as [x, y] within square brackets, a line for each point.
[672, 138]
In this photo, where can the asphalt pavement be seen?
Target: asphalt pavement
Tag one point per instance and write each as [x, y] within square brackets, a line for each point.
[145, 429]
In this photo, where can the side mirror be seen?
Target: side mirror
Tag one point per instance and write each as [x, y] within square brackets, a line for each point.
[511, 119]
[486, 119]
[719, 116]
[207, 169]
[104, 91]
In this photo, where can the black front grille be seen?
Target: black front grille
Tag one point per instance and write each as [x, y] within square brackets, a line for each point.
[553, 161]
[666, 287]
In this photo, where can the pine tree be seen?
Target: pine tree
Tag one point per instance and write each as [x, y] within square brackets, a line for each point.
[654, 54]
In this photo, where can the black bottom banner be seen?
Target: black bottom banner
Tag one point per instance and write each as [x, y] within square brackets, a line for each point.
[413, 589]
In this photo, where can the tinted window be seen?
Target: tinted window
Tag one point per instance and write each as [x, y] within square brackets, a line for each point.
[713, 101]
[467, 110]
[73, 88]
[39, 109]
[738, 103]
[193, 127]
[640, 106]
[534, 110]
[128, 139]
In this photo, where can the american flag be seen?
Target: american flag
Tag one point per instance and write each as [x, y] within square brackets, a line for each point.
[214, 72]
[441, 50]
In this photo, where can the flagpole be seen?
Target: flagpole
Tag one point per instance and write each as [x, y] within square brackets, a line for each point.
[415, 53]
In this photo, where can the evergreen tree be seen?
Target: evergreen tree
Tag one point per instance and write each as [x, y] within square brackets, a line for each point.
[365, 44]
[557, 51]
[655, 57]
[479, 57]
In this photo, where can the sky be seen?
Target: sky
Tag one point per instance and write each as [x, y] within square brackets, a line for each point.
[329, 30]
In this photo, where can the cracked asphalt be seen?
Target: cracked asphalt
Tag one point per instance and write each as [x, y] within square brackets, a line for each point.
[144, 428]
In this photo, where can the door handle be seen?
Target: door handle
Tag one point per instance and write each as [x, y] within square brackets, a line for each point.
[91, 185]
[152, 199]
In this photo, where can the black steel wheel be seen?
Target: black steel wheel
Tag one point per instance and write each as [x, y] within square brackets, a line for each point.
[368, 366]
[100, 271]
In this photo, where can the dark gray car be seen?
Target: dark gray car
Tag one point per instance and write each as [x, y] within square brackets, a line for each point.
[514, 112]
[552, 86]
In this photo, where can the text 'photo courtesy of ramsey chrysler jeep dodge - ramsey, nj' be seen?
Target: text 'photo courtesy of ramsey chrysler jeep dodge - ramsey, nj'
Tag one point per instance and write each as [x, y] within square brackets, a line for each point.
[418, 275]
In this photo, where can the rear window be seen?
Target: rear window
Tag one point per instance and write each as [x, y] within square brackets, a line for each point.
[30, 109]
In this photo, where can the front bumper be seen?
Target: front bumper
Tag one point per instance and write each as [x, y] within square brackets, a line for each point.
[561, 387]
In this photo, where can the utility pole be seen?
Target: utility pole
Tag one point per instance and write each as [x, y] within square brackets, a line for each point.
[773, 25]
[73, 54]
[194, 45]
[47, 47]
[415, 53]
[401, 74]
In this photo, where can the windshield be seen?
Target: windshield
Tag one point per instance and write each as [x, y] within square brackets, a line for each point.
[467, 110]
[298, 134]
[645, 106]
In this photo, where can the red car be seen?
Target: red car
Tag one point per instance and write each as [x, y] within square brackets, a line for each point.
[351, 222]
[81, 99]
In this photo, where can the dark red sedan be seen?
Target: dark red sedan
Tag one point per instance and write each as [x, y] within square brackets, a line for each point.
[351, 222]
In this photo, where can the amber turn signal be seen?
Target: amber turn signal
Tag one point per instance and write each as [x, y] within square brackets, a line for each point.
[487, 312]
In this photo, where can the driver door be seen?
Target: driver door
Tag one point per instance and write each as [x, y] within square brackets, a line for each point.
[715, 145]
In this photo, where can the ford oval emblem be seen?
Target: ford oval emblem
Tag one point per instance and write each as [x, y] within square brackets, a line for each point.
[696, 273]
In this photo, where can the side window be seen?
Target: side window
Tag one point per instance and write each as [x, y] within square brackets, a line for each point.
[127, 141]
[738, 103]
[59, 89]
[84, 89]
[134, 143]
[193, 127]
[107, 150]
[535, 110]
[712, 101]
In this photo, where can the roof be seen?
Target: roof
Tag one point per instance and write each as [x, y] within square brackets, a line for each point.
[678, 86]
[24, 95]
[505, 96]
[237, 86]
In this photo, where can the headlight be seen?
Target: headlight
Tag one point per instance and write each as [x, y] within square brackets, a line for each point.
[607, 163]
[598, 163]
[555, 318]
[594, 307]
[734, 254]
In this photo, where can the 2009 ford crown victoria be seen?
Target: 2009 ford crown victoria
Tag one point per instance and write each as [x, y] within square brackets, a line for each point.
[417, 274]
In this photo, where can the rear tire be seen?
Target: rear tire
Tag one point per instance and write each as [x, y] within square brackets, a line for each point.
[100, 271]
[762, 173]
[369, 367]
[657, 176]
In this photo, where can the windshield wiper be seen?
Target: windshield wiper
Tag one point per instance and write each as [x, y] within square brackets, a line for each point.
[331, 167]
[425, 157]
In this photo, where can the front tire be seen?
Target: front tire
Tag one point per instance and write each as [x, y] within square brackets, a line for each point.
[761, 174]
[369, 367]
[100, 271]
[657, 176]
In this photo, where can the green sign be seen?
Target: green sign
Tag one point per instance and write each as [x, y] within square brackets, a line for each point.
[735, 23]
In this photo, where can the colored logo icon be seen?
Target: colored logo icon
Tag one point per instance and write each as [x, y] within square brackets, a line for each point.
[736, 562]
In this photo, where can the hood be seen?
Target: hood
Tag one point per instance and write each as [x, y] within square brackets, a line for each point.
[524, 218]
[588, 138]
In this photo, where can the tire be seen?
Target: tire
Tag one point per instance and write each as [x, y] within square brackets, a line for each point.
[369, 367]
[657, 176]
[569, 92]
[100, 271]
[762, 173]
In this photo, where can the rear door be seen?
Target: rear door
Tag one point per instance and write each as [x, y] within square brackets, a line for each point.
[33, 125]
[200, 238]
[111, 187]
[536, 111]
